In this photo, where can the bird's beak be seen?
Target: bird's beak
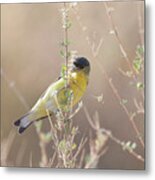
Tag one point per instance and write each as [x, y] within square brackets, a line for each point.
[74, 67]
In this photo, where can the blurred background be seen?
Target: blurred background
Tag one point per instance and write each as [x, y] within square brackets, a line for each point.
[31, 36]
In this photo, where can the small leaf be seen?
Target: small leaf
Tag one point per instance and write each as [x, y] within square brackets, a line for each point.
[62, 53]
[138, 61]
[100, 98]
[74, 146]
[140, 50]
[137, 64]
[134, 145]
[140, 85]
[124, 101]
[129, 146]
[65, 43]
[68, 24]
[128, 143]
[62, 145]
[74, 130]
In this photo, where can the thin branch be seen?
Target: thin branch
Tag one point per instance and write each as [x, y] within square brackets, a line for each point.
[6, 145]
[81, 145]
[66, 40]
[13, 87]
[140, 26]
[111, 136]
[115, 32]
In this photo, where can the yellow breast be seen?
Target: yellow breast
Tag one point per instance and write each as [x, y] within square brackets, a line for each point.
[78, 83]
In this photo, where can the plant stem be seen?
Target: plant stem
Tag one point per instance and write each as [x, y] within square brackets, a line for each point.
[66, 40]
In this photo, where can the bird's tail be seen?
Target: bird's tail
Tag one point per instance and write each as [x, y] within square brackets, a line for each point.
[24, 122]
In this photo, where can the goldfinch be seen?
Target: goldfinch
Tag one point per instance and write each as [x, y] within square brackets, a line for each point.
[57, 95]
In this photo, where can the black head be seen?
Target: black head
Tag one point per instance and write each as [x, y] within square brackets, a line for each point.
[81, 63]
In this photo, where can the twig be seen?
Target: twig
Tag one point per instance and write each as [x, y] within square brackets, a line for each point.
[115, 32]
[81, 158]
[124, 108]
[51, 162]
[140, 26]
[6, 148]
[53, 129]
[110, 135]
[81, 145]
[12, 86]
[66, 41]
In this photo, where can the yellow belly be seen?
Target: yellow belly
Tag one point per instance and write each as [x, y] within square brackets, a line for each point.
[77, 85]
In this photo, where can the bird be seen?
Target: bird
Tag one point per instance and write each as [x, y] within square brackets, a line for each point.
[58, 94]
